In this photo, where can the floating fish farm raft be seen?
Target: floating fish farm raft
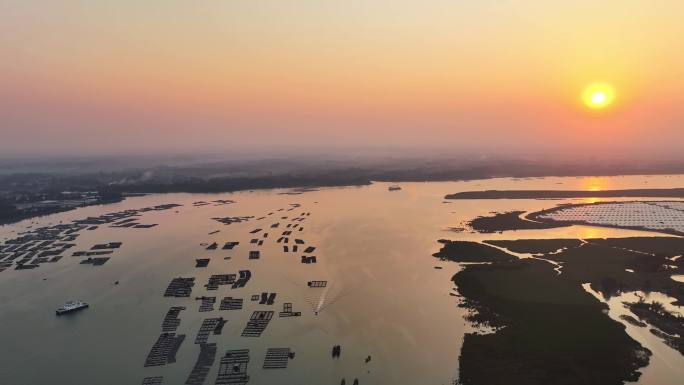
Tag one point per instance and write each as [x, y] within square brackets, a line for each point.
[205, 360]
[257, 323]
[207, 303]
[164, 349]
[230, 303]
[287, 311]
[267, 298]
[171, 320]
[233, 369]
[157, 380]
[208, 327]
[277, 358]
[220, 279]
[180, 287]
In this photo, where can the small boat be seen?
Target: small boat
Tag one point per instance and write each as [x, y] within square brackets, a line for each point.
[71, 306]
[394, 188]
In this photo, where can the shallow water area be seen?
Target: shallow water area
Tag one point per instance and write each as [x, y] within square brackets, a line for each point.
[666, 363]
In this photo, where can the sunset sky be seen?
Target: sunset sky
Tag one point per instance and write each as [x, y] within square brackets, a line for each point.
[153, 76]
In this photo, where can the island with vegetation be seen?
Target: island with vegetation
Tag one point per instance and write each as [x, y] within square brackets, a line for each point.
[547, 328]
[510, 220]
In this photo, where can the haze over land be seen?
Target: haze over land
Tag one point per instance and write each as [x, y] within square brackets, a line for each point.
[129, 77]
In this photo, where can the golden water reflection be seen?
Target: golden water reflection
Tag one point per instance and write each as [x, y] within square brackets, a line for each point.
[596, 183]
[593, 232]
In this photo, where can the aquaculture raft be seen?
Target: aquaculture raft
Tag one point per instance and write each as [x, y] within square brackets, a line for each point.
[207, 303]
[308, 260]
[267, 298]
[164, 350]
[204, 362]
[220, 279]
[257, 323]
[180, 287]
[110, 245]
[230, 303]
[171, 320]
[208, 326]
[287, 311]
[276, 358]
[229, 220]
[157, 380]
[233, 369]
[245, 276]
[98, 261]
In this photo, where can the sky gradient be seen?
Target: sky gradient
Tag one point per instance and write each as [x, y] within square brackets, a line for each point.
[131, 76]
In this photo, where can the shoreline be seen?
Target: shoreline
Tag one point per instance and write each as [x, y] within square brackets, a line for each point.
[542, 324]
[22, 216]
[568, 194]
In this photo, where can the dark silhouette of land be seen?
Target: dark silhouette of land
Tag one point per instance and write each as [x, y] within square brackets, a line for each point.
[550, 331]
[604, 262]
[567, 194]
[510, 221]
[28, 181]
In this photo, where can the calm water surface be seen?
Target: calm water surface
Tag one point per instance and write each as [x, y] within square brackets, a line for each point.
[384, 299]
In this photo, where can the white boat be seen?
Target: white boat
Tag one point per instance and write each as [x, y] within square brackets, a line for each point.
[71, 306]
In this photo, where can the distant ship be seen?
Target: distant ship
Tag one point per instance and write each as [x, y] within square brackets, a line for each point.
[71, 306]
[394, 188]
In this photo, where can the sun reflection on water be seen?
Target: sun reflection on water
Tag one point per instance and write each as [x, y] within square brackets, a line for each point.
[592, 232]
[595, 184]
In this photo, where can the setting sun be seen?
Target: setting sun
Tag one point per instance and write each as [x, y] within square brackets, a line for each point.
[598, 95]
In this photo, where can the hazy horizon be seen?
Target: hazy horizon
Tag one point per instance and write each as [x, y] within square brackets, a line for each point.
[492, 78]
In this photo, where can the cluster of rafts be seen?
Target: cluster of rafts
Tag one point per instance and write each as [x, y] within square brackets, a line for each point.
[234, 363]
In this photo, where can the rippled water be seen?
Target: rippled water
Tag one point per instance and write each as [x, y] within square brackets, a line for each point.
[385, 298]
